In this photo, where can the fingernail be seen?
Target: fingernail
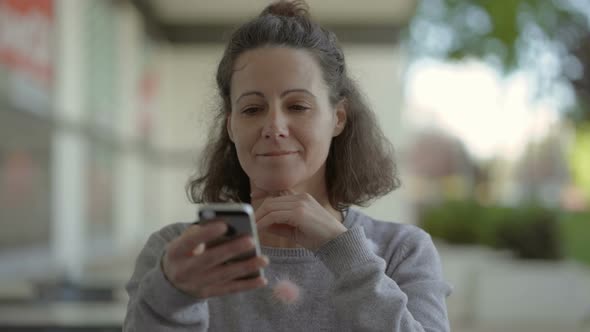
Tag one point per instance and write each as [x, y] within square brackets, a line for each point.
[199, 249]
[224, 227]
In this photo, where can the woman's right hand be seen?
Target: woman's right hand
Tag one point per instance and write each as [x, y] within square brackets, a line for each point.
[201, 272]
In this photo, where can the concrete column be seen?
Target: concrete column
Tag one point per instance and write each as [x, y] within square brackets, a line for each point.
[129, 165]
[69, 155]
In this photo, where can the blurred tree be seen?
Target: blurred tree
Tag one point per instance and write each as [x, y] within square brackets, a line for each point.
[579, 159]
[435, 154]
[549, 38]
[582, 83]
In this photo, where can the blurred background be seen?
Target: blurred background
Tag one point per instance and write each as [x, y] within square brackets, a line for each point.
[105, 105]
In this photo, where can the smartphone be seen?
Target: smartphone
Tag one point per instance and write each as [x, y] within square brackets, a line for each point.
[240, 222]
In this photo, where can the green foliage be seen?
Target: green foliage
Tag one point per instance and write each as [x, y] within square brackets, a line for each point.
[579, 158]
[575, 236]
[530, 231]
[510, 34]
[478, 24]
[453, 222]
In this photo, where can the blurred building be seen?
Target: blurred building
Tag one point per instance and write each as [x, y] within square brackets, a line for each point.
[105, 105]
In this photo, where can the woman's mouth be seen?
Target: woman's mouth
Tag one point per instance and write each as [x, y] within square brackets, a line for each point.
[277, 153]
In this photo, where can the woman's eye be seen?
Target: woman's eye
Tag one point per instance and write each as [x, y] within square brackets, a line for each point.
[298, 108]
[250, 110]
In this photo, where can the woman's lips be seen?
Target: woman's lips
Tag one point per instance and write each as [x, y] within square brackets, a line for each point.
[277, 153]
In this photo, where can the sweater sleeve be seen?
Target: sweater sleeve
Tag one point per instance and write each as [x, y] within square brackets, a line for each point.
[409, 297]
[154, 303]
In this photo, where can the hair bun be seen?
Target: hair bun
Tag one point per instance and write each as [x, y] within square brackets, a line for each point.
[295, 8]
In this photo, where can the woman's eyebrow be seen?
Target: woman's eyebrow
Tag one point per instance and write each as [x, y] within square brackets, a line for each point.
[286, 92]
[250, 93]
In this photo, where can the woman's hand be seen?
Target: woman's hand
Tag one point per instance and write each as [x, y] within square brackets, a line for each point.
[201, 272]
[298, 217]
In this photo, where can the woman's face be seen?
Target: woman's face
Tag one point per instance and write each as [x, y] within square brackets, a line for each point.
[282, 122]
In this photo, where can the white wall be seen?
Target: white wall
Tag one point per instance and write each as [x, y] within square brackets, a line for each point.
[186, 99]
[378, 70]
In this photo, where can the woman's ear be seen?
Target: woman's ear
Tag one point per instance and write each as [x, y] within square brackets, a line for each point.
[228, 126]
[341, 117]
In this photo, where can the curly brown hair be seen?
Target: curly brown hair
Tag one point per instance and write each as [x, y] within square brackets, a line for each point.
[360, 166]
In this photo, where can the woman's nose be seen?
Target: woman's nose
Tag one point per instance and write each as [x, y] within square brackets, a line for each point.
[275, 124]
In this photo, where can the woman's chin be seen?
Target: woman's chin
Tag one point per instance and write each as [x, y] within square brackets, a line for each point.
[275, 184]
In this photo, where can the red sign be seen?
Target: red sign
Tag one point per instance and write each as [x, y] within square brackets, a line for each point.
[26, 41]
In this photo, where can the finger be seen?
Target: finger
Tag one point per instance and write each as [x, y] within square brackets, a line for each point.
[287, 192]
[224, 252]
[195, 235]
[199, 249]
[286, 231]
[276, 203]
[276, 217]
[271, 205]
[285, 198]
[234, 286]
[229, 272]
[211, 266]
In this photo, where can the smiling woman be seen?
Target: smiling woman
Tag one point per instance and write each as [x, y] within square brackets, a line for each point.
[282, 131]
[295, 140]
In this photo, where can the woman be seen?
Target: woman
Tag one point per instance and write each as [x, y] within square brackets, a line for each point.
[295, 140]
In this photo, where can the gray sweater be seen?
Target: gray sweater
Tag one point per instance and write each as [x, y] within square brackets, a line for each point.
[377, 276]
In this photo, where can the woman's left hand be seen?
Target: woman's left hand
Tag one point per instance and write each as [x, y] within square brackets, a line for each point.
[298, 217]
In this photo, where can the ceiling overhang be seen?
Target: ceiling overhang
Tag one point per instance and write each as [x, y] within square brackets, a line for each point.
[194, 22]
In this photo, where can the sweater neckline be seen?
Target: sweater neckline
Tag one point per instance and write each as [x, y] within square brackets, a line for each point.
[275, 252]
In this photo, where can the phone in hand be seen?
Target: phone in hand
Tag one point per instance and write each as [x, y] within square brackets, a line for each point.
[239, 219]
